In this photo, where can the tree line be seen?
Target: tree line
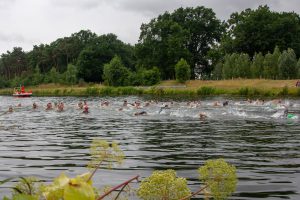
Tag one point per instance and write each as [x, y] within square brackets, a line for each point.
[243, 46]
[276, 65]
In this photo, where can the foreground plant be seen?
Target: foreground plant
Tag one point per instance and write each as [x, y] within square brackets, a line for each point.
[218, 176]
[103, 154]
[163, 185]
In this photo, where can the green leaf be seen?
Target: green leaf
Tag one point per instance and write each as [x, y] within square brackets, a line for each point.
[77, 189]
[24, 197]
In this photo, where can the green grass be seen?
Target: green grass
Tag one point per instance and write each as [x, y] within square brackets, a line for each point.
[193, 89]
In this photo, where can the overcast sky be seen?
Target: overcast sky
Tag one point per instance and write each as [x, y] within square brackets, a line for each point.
[24, 23]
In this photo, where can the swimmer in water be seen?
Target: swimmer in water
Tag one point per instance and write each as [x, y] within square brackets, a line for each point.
[163, 108]
[216, 103]
[34, 105]
[140, 113]
[202, 116]
[125, 103]
[85, 109]
[49, 106]
[286, 111]
[80, 105]
[225, 103]
[104, 103]
[60, 107]
[137, 105]
[10, 109]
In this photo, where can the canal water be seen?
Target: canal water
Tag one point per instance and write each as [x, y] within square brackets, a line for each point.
[254, 136]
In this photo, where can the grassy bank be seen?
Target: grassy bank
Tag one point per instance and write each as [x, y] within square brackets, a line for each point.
[192, 89]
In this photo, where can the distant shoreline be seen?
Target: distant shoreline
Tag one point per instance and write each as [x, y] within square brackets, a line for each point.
[172, 89]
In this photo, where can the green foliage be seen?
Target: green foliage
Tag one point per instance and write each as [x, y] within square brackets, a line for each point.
[150, 77]
[182, 71]
[37, 76]
[52, 76]
[220, 177]
[298, 69]
[92, 91]
[115, 73]
[93, 57]
[271, 64]
[260, 30]
[185, 33]
[284, 91]
[67, 188]
[204, 91]
[105, 153]
[244, 91]
[287, 64]
[163, 185]
[3, 82]
[71, 74]
[218, 71]
[257, 65]
[144, 77]
[229, 62]
[236, 66]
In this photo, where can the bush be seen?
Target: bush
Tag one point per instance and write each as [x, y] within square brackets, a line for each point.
[92, 91]
[284, 91]
[115, 73]
[244, 91]
[204, 91]
[163, 185]
[287, 64]
[182, 71]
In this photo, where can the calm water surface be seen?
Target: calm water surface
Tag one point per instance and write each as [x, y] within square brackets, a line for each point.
[264, 147]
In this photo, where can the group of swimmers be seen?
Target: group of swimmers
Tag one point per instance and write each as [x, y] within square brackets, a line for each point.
[83, 105]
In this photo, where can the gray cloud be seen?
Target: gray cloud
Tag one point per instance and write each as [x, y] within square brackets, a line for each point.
[25, 23]
[80, 4]
[6, 3]
[14, 37]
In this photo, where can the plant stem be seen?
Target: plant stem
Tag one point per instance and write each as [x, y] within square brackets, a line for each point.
[93, 173]
[118, 186]
[195, 193]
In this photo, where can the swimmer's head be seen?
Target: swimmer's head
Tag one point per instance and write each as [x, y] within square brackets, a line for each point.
[202, 116]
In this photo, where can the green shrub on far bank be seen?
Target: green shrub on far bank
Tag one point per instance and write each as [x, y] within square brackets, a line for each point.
[245, 91]
[204, 91]
[182, 71]
[91, 91]
[284, 91]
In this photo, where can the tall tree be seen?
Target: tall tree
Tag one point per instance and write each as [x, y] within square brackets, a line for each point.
[271, 64]
[186, 33]
[261, 30]
[183, 71]
[287, 64]
[298, 68]
[257, 66]
[91, 60]
[115, 73]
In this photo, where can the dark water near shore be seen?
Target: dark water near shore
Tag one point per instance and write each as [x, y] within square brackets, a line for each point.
[264, 147]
